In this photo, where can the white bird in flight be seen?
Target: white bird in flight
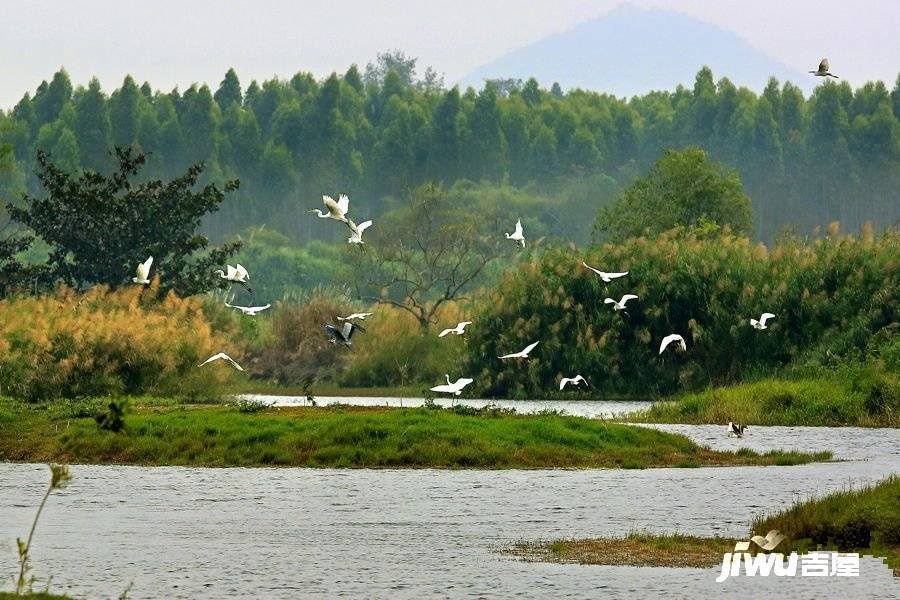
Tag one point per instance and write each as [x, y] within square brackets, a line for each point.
[356, 236]
[221, 356]
[517, 235]
[672, 337]
[761, 324]
[577, 380]
[360, 316]
[523, 354]
[823, 70]
[237, 274]
[143, 272]
[458, 330]
[455, 388]
[335, 210]
[620, 305]
[251, 311]
[606, 277]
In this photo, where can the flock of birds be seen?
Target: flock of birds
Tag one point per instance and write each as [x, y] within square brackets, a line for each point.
[343, 335]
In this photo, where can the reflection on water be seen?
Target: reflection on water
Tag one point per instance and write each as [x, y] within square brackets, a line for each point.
[288, 533]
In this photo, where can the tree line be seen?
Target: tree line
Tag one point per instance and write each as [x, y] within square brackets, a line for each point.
[379, 133]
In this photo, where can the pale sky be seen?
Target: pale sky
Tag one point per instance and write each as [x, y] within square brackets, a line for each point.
[178, 42]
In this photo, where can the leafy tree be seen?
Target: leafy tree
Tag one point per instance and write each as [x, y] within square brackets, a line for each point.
[354, 79]
[92, 127]
[895, 98]
[485, 142]
[506, 86]
[100, 227]
[427, 253]
[51, 98]
[684, 188]
[229, 91]
[398, 62]
[199, 121]
[804, 161]
[446, 144]
[124, 112]
[13, 273]
[431, 81]
[12, 179]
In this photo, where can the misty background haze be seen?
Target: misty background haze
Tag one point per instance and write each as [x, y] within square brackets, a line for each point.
[168, 44]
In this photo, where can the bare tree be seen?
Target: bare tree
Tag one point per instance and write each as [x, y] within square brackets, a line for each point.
[428, 253]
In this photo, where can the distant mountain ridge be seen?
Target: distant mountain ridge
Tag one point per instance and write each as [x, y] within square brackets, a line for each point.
[631, 51]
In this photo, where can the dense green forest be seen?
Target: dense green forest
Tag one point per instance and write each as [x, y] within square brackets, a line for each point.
[554, 157]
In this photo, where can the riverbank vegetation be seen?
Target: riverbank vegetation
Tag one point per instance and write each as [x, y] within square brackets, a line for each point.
[165, 433]
[815, 402]
[129, 341]
[633, 550]
[864, 520]
[835, 299]
[441, 258]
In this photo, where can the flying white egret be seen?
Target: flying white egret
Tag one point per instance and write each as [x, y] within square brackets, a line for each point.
[454, 388]
[523, 354]
[620, 305]
[250, 311]
[356, 236]
[221, 356]
[823, 70]
[606, 277]
[335, 210]
[237, 274]
[143, 272]
[577, 380]
[360, 316]
[761, 324]
[736, 430]
[343, 335]
[458, 330]
[517, 235]
[672, 337]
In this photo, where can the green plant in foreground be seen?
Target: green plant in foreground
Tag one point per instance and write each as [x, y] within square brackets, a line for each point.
[113, 418]
[249, 407]
[59, 477]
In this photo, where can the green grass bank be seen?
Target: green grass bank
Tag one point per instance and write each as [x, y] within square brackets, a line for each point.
[160, 433]
[812, 402]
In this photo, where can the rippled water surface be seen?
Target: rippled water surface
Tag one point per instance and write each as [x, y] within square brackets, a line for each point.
[288, 533]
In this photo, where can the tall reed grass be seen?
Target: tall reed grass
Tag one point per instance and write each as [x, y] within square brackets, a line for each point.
[101, 343]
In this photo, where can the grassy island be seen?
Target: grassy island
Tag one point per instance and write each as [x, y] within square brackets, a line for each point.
[864, 520]
[160, 433]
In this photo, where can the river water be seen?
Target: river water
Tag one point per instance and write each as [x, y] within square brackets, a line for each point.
[578, 408]
[290, 533]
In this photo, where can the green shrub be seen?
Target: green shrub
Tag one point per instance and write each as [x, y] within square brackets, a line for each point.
[835, 300]
[296, 349]
[395, 351]
[113, 418]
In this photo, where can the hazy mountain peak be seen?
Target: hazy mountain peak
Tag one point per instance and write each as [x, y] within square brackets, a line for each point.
[632, 50]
